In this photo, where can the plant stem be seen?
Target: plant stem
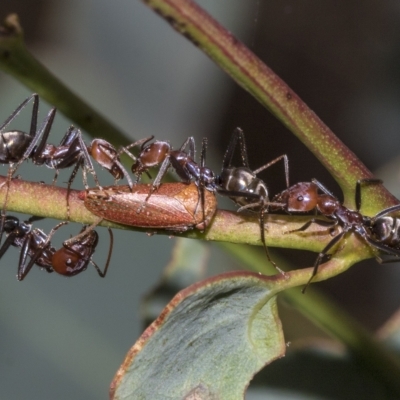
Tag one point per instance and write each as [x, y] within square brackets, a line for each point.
[16, 60]
[373, 355]
[50, 201]
[260, 81]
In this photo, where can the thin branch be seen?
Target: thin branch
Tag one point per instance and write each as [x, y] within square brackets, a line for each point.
[50, 201]
[272, 92]
[16, 60]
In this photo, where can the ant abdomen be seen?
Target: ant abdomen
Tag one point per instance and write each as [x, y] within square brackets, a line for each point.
[106, 155]
[387, 230]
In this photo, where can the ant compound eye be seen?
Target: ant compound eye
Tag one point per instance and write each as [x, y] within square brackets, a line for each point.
[300, 198]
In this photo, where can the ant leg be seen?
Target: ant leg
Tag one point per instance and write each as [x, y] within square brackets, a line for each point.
[108, 157]
[125, 149]
[22, 270]
[192, 149]
[323, 188]
[382, 247]
[201, 185]
[243, 148]
[71, 179]
[34, 218]
[321, 222]
[78, 237]
[321, 255]
[43, 133]
[358, 189]
[258, 204]
[285, 159]
[35, 109]
[88, 165]
[141, 143]
[228, 156]
[103, 273]
[7, 243]
[387, 211]
[126, 174]
[157, 180]
[262, 231]
[44, 130]
[55, 177]
[3, 210]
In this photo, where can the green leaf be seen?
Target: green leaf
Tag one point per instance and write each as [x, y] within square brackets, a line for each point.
[209, 341]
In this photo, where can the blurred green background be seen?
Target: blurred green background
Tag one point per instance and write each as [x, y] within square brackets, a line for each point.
[65, 338]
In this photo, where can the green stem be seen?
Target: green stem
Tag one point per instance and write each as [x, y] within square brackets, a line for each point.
[50, 202]
[16, 60]
[273, 93]
[249, 72]
[373, 355]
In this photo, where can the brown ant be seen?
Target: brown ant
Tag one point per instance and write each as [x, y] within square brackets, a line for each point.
[161, 152]
[182, 160]
[69, 260]
[381, 232]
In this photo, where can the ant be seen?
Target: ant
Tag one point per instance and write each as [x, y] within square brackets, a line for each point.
[161, 152]
[380, 231]
[243, 186]
[188, 170]
[17, 146]
[69, 260]
[239, 183]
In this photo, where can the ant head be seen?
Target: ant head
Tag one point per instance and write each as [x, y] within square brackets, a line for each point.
[72, 259]
[301, 197]
[67, 262]
[151, 155]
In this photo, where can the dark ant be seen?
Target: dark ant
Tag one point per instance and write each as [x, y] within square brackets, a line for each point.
[18, 146]
[380, 231]
[243, 186]
[69, 260]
